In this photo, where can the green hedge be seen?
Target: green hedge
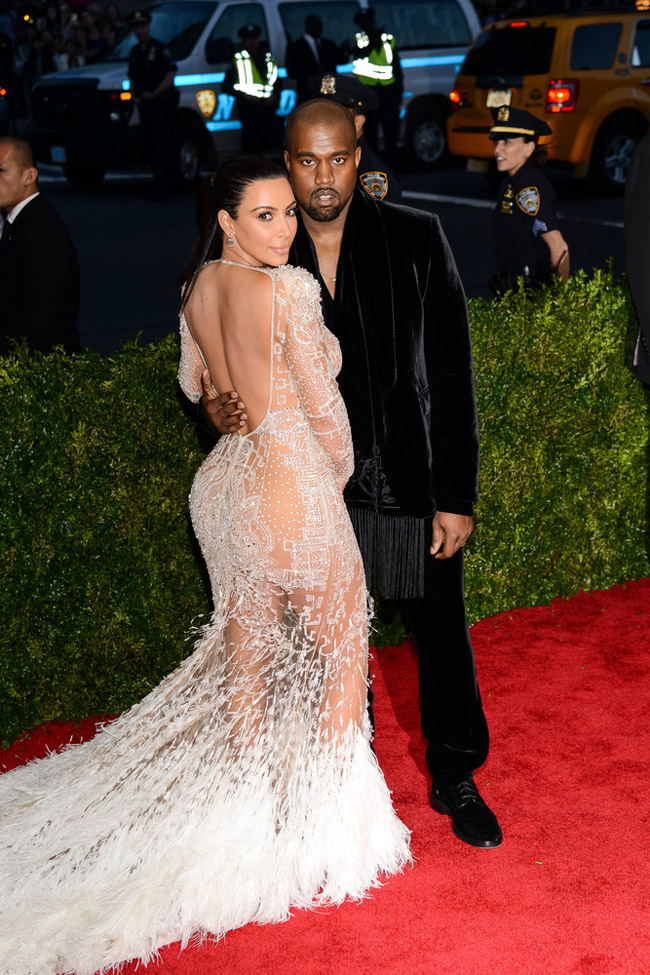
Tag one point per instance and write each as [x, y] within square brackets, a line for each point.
[102, 578]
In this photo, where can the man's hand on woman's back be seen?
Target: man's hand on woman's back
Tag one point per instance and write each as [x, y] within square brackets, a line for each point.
[224, 411]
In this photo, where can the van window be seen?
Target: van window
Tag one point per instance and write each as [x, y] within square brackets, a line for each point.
[594, 46]
[178, 25]
[641, 49]
[224, 37]
[421, 23]
[511, 51]
[338, 19]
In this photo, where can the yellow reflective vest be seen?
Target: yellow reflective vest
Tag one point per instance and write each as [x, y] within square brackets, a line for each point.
[376, 67]
[249, 80]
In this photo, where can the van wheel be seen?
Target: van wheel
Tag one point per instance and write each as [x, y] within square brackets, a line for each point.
[610, 157]
[84, 177]
[426, 141]
[188, 158]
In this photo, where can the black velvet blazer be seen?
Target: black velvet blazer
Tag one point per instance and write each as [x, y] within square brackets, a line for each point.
[637, 246]
[400, 314]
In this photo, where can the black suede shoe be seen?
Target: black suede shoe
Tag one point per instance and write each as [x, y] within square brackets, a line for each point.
[472, 820]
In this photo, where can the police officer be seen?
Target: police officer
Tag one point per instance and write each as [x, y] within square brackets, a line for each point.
[252, 79]
[374, 175]
[151, 71]
[528, 243]
[377, 65]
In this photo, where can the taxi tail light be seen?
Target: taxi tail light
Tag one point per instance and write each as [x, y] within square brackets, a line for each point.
[458, 100]
[3, 91]
[562, 96]
[519, 23]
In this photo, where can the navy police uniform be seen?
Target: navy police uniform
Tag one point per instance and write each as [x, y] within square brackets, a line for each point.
[148, 66]
[525, 209]
[375, 178]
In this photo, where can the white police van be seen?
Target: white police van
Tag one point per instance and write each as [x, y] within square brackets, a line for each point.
[85, 118]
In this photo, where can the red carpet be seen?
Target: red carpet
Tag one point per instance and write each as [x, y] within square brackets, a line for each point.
[566, 690]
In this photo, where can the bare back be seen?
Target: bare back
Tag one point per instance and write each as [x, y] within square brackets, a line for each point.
[229, 315]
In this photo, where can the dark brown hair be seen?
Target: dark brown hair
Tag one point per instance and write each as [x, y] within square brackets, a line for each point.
[223, 190]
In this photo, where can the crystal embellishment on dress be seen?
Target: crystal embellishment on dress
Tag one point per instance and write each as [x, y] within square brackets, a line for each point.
[244, 785]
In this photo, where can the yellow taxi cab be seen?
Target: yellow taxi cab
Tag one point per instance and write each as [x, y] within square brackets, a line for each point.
[587, 74]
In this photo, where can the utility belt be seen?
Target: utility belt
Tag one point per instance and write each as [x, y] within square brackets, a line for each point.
[531, 277]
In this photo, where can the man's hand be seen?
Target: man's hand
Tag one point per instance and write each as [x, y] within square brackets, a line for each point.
[450, 532]
[225, 411]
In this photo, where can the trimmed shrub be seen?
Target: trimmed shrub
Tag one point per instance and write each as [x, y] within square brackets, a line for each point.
[102, 579]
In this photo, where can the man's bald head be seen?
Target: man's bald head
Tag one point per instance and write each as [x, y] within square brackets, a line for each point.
[322, 158]
[21, 150]
[321, 113]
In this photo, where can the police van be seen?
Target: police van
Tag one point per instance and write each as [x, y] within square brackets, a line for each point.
[85, 118]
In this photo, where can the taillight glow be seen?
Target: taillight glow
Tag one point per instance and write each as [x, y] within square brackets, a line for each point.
[454, 97]
[562, 96]
[519, 23]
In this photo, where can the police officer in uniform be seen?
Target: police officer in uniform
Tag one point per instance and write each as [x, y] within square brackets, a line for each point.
[374, 175]
[377, 65]
[528, 243]
[252, 79]
[151, 71]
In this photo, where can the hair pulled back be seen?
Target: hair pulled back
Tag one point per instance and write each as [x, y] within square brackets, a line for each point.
[223, 190]
[539, 155]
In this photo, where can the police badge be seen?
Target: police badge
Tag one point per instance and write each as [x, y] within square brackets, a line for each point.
[206, 100]
[328, 84]
[528, 200]
[375, 184]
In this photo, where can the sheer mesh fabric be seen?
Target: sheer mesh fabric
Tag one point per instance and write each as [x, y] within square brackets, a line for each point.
[244, 784]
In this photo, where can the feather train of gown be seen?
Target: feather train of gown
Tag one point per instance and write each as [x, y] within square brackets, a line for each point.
[244, 784]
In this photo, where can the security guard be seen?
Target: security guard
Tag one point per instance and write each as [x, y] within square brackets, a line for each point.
[528, 243]
[252, 79]
[377, 65]
[374, 175]
[151, 72]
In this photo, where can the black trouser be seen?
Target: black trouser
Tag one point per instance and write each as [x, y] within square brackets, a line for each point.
[390, 101]
[450, 702]
[157, 125]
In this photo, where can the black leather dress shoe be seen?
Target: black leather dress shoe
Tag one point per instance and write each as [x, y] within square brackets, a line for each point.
[472, 820]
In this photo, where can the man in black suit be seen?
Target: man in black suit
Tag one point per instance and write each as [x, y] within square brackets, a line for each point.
[39, 269]
[311, 54]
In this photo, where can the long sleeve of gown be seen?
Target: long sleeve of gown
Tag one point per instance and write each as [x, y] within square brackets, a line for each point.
[191, 365]
[313, 356]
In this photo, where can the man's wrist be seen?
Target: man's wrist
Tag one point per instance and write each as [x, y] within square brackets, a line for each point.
[453, 506]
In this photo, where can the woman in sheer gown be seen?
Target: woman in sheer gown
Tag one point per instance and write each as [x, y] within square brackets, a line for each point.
[244, 784]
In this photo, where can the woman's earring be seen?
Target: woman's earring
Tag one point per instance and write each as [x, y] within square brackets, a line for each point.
[231, 240]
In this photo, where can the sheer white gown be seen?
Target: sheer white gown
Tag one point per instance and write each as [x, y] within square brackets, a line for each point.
[244, 784]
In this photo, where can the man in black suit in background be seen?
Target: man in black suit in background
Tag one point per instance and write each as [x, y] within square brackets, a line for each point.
[39, 269]
[311, 54]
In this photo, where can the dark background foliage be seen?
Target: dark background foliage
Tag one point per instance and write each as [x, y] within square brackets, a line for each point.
[102, 579]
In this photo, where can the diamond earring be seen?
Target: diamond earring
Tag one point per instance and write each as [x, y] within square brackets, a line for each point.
[231, 241]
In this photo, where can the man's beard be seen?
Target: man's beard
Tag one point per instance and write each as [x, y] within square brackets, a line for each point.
[328, 214]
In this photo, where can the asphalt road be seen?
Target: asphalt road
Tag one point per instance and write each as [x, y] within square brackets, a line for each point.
[131, 251]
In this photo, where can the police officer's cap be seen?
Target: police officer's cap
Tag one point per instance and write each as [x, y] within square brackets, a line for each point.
[139, 17]
[510, 122]
[249, 31]
[344, 90]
